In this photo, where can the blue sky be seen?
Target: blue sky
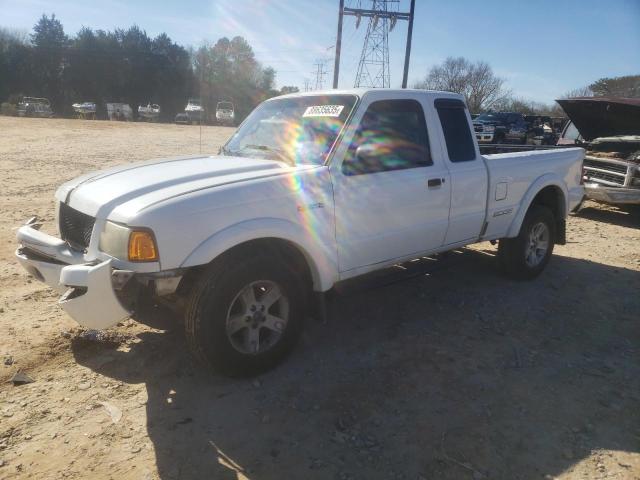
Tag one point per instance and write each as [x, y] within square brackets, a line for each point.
[542, 49]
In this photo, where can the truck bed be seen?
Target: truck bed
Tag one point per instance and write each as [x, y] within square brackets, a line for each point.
[510, 182]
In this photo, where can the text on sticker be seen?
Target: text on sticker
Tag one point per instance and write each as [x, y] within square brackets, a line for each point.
[323, 111]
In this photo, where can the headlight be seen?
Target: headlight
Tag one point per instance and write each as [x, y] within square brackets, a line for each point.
[134, 245]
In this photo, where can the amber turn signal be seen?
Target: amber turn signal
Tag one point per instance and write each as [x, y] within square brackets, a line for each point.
[142, 247]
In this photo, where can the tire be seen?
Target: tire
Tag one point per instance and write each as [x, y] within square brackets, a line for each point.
[227, 334]
[525, 256]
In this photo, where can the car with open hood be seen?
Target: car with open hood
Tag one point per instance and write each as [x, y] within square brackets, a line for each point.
[609, 129]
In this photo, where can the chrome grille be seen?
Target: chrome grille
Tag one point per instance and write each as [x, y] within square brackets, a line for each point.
[611, 173]
[613, 167]
[75, 226]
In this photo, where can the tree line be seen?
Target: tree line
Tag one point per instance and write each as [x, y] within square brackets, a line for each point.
[484, 90]
[128, 66]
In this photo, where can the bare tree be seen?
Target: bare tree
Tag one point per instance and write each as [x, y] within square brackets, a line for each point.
[476, 81]
[528, 107]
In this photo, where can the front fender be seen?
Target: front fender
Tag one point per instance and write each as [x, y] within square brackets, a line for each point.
[320, 253]
[547, 180]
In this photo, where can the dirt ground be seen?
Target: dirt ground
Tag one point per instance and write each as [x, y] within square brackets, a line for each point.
[441, 370]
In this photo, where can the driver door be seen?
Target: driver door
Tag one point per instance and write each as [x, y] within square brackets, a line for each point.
[391, 199]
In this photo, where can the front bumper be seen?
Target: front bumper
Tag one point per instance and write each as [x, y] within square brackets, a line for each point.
[617, 195]
[87, 287]
[484, 137]
[225, 119]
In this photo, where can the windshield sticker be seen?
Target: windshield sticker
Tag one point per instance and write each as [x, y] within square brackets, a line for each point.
[323, 111]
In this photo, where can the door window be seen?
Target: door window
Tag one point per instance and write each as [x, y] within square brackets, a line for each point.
[392, 135]
[455, 127]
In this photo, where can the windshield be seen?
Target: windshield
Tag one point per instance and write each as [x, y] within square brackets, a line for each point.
[492, 117]
[298, 130]
[195, 103]
[571, 132]
[225, 106]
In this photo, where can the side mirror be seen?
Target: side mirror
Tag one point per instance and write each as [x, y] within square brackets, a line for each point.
[368, 152]
[365, 159]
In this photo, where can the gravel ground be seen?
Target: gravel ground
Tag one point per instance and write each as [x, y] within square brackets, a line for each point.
[440, 370]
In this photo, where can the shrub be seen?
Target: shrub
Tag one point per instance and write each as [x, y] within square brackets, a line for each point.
[9, 109]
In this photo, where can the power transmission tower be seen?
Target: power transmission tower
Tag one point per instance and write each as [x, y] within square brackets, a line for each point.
[320, 73]
[307, 84]
[373, 68]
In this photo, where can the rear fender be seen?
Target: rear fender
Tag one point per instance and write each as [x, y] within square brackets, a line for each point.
[544, 181]
[320, 254]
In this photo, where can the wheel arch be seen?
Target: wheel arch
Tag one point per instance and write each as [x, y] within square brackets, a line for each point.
[550, 192]
[277, 236]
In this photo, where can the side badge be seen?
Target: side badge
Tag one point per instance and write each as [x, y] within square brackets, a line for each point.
[311, 206]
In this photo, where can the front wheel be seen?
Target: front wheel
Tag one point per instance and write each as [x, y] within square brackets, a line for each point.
[243, 317]
[525, 256]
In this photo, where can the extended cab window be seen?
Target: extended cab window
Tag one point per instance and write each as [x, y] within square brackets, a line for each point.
[391, 136]
[457, 134]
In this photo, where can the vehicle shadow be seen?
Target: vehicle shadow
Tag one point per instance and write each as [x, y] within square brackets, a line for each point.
[623, 216]
[454, 372]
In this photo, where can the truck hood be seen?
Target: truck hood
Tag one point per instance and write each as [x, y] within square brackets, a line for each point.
[596, 117]
[140, 185]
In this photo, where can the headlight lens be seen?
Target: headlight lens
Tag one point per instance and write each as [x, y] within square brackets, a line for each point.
[114, 240]
[134, 245]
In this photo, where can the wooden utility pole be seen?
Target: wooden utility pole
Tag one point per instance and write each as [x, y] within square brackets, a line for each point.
[336, 66]
[407, 52]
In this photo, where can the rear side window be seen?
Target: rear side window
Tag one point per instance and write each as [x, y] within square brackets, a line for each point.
[455, 127]
[392, 135]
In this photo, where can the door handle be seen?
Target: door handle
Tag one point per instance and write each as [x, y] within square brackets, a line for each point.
[435, 182]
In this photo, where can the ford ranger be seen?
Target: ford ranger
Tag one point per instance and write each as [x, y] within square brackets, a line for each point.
[312, 189]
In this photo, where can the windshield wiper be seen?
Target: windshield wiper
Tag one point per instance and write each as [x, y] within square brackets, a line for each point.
[266, 148]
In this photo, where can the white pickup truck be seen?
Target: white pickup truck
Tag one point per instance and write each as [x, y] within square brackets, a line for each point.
[312, 189]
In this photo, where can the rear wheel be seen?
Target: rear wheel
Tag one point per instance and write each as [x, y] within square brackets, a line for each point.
[244, 317]
[526, 256]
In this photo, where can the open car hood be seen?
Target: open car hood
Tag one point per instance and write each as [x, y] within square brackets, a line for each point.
[603, 116]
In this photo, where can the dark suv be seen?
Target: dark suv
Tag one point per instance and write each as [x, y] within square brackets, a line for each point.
[501, 127]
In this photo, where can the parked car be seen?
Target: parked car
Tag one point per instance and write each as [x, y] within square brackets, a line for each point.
[149, 112]
[609, 128]
[250, 239]
[501, 127]
[225, 114]
[85, 110]
[34, 107]
[195, 111]
[543, 129]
